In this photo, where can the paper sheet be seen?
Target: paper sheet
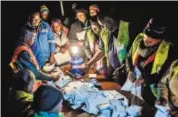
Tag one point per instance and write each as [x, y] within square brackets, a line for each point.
[62, 58]
[162, 111]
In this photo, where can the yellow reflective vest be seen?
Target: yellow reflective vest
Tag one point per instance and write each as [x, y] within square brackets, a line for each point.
[122, 38]
[160, 57]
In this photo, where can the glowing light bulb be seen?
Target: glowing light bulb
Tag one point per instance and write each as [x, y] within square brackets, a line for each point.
[74, 50]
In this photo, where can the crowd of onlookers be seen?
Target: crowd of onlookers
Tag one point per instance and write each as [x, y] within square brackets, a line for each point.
[148, 60]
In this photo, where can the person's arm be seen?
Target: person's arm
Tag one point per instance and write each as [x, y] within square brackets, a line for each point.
[25, 61]
[87, 48]
[51, 45]
[98, 55]
[129, 65]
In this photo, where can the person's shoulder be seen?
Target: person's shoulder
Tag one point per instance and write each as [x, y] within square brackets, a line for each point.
[46, 24]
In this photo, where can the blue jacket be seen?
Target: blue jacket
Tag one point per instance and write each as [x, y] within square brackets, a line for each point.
[47, 114]
[42, 48]
[24, 62]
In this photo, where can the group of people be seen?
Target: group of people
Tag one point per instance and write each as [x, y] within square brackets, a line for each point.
[106, 45]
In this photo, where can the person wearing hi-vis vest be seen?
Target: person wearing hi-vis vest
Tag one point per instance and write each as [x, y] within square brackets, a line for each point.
[149, 58]
[167, 88]
[23, 59]
[91, 45]
[113, 43]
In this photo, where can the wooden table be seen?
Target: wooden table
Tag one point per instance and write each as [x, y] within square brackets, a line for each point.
[147, 111]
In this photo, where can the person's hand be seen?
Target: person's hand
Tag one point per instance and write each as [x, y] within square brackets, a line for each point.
[82, 66]
[55, 78]
[131, 76]
[161, 101]
[80, 43]
[52, 59]
[139, 81]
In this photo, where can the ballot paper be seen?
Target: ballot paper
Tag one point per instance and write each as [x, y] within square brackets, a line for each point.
[92, 76]
[162, 111]
[62, 58]
[130, 86]
[48, 67]
[81, 35]
[134, 110]
[63, 81]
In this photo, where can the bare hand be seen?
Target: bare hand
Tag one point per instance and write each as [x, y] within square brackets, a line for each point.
[161, 101]
[139, 82]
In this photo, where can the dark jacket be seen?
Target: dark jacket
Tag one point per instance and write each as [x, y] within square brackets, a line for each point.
[76, 27]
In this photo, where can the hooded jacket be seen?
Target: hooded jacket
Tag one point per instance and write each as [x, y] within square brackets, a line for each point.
[41, 48]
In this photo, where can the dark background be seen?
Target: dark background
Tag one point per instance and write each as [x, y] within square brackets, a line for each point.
[15, 14]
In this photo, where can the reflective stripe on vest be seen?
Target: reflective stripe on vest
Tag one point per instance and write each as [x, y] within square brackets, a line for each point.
[105, 38]
[23, 95]
[160, 57]
[122, 40]
[17, 52]
[91, 38]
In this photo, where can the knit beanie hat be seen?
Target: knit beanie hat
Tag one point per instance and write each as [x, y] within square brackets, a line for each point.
[25, 80]
[44, 8]
[46, 98]
[94, 7]
[81, 10]
[155, 29]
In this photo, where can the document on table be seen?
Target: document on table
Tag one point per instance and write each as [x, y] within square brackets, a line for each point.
[162, 111]
[62, 58]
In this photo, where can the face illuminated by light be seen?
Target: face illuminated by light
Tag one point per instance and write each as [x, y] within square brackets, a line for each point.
[96, 28]
[149, 41]
[81, 17]
[93, 12]
[30, 38]
[56, 27]
[36, 20]
[44, 15]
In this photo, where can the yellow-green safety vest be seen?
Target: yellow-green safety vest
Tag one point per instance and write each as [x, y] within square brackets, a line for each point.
[160, 57]
[122, 38]
[23, 95]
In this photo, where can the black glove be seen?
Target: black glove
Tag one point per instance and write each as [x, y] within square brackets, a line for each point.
[119, 75]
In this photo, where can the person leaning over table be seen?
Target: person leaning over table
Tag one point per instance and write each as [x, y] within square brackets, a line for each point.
[23, 58]
[91, 45]
[150, 55]
[113, 43]
[167, 88]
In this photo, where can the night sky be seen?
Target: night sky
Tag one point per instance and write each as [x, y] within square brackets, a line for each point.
[15, 14]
